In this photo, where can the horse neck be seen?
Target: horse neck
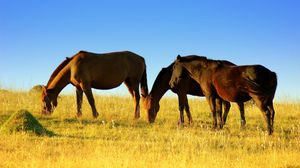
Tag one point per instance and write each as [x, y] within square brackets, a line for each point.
[192, 68]
[60, 81]
[160, 87]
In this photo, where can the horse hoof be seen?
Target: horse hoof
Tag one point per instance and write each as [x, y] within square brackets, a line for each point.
[95, 115]
[270, 131]
[190, 120]
[215, 126]
[180, 123]
[79, 115]
[243, 123]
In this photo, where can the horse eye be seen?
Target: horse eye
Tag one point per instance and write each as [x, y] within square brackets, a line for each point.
[180, 76]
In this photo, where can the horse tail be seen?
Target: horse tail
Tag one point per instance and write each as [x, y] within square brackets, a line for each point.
[273, 82]
[261, 80]
[144, 84]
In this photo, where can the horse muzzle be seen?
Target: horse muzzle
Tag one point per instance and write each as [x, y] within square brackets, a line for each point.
[46, 112]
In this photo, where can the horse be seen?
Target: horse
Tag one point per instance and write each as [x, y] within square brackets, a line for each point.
[230, 83]
[87, 70]
[186, 85]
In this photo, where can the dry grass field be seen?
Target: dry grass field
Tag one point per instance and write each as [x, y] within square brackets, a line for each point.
[115, 139]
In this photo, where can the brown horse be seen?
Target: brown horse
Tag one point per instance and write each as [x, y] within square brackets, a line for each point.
[230, 83]
[87, 70]
[186, 85]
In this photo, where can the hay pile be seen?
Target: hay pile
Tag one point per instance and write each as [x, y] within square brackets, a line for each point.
[37, 89]
[23, 121]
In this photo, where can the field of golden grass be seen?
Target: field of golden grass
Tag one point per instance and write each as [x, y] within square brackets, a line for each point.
[115, 139]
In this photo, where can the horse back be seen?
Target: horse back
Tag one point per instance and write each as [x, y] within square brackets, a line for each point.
[123, 59]
[107, 70]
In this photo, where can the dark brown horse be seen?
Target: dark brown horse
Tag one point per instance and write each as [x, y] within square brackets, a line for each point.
[87, 70]
[186, 85]
[230, 83]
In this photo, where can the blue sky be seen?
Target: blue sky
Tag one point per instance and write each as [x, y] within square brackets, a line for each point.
[35, 36]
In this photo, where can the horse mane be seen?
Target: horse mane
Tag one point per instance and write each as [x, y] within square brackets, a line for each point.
[59, 68]
[192, 58]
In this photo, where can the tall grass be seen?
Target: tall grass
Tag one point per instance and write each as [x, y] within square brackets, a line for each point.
[115, 139]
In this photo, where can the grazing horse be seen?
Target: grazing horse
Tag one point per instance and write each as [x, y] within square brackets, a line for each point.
[186, 85]
[86, 70]
[230, 83]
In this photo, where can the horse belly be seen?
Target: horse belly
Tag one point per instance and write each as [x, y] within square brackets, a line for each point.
[231, 94]
[229, 91]
[107, 82]
[108, 78]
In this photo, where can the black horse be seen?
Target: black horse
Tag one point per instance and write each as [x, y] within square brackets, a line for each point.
[186, 86]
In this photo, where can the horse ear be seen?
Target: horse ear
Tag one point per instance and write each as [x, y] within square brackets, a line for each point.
[178, 57]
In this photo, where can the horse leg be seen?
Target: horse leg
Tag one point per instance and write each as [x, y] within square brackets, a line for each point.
[181, 108]
[226, 110]
[187, 110]
[136, 94]
[88, 92]
[272, 111]
[261, 104]
[212, 105]
[79, 94]
[242, 113]
[219, 112]
[134, 91]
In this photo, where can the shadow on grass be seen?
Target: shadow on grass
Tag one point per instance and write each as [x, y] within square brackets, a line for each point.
[78, 137]
[54, 120]
[139, 123]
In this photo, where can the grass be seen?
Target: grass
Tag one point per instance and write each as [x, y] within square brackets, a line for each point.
[115, 139]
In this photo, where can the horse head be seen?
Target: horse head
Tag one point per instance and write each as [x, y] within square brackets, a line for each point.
[177, 73]
[152, 107]
[49, 101]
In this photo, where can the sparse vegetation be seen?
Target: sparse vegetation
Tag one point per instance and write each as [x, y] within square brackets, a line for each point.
[115, 139]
